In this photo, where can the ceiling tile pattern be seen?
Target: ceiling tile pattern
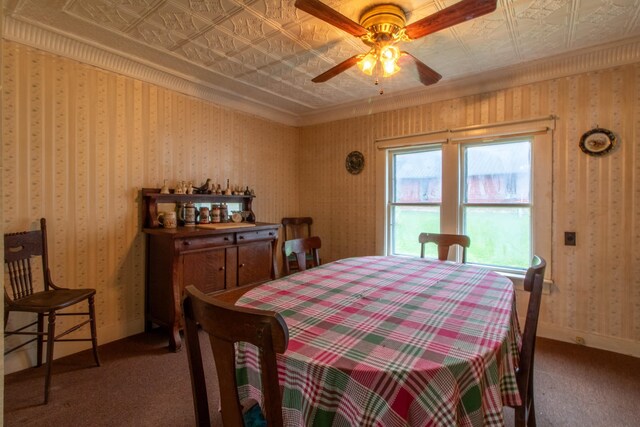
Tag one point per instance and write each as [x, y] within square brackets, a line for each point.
[269, 50]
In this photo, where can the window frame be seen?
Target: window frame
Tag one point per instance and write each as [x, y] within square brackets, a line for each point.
[541, 133]
[391, 192]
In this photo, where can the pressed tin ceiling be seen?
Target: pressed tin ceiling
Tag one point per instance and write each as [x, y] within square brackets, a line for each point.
[264, 53]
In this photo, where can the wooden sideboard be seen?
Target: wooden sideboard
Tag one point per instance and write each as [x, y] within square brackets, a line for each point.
[212, 260]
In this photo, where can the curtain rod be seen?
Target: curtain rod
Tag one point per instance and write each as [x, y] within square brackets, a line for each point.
[512, 122]
[472, 127]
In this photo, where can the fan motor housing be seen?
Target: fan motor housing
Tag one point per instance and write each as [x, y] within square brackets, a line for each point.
[383, 19]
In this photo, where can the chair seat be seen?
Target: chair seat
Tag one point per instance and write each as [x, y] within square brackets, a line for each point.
[42, 302]
[254, 417]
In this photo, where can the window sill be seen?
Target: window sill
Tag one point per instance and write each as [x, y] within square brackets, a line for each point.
[518, 282]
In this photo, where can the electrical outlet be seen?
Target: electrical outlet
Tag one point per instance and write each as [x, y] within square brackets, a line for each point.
[580, 341]
[569, 238]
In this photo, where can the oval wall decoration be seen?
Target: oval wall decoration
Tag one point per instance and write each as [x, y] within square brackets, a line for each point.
[597, 142]
[354, 162]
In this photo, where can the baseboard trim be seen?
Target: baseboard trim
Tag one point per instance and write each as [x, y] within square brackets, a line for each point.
[25, 357]
[602, 342]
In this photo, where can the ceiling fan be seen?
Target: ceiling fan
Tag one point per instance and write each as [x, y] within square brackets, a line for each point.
[382, 27]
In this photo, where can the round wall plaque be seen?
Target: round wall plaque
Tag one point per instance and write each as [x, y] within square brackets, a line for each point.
[354, 162]
[597, 142]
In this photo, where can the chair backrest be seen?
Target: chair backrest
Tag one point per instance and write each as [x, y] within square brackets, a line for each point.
[226, 325]
[444, 242]
[300, 247]
[533, 281]
[19, 249]
[296, 228]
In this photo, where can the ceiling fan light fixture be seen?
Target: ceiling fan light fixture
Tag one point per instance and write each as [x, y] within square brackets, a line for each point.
[383, 25]
[389, 68]
[368, 63]
[383, 19]
[389, 53]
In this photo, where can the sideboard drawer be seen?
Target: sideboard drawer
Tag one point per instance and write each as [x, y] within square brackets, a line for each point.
[248, 236]
[195, 243]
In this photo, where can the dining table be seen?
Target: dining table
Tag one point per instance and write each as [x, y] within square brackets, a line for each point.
[390, 341]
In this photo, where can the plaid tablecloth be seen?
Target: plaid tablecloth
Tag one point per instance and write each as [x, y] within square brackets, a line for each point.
[391, 341]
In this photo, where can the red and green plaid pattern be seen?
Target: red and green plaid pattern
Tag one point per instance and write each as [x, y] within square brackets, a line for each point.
[391, 341]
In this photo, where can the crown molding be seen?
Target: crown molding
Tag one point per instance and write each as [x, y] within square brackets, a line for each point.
[117, 62]
[626, 51]
[609, 55]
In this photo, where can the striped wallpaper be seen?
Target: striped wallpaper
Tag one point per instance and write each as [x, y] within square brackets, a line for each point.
[79, 142]
[596, 292]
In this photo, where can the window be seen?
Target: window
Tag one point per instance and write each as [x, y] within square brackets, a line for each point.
[416, 194]
[496, 203]
[479, 183]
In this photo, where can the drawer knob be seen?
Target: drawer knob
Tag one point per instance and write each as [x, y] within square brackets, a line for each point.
[241, 265]
[240, 237]
[221, 269]
[226, 239]
[186, 243]
[270, 233]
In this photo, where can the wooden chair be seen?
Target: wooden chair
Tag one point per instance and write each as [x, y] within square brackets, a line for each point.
[534, 278]
[19, 250]
[226, 325]
[299, 248]
[296, 228]
[444, 242]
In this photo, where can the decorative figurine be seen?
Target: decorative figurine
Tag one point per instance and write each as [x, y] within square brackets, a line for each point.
[164, 189]
[204, 188]
[218, 190]
[190, 188]
[227, 192]
[180, 188]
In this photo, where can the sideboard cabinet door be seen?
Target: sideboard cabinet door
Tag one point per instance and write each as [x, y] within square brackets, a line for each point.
[254, 263]
[205, 270]
[212, 261]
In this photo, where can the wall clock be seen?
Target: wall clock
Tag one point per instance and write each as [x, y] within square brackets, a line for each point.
[354, 162]
[597, 141]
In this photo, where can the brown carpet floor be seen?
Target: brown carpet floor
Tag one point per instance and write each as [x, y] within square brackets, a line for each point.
[140, 383]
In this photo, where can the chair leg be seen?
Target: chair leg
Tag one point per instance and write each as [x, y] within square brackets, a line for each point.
[51, 333]
[521, 416]
[94, 335]
[40, 338]
[531, 422]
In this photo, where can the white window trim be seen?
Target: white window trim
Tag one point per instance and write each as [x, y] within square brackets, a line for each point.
[541, 131]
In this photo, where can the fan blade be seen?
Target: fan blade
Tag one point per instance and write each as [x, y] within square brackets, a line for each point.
[427, 75]
[341, 67]
[450, 16]
[331, 16]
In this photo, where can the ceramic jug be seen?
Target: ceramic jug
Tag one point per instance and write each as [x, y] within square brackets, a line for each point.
[188, 214]
[168, 219]
[215, 213]
[204, 215]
